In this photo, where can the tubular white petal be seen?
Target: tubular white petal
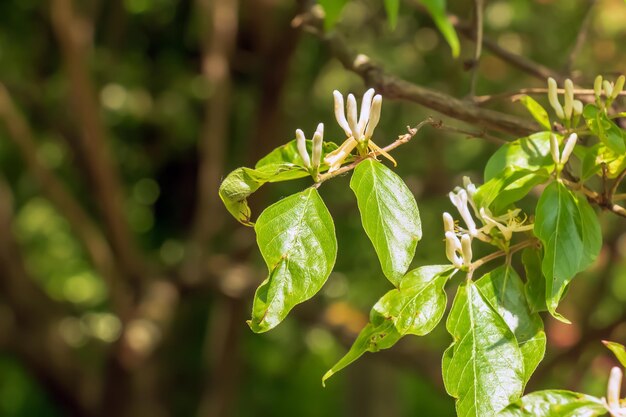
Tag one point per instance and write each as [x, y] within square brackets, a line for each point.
[301, 145]
[453, 245]
[318, 139]
[578, 107]
[570, 143]
[340, 113]
[466, 248]
[614, 388]
[619, 85]
[569, 98]
[366, 106]
[597, 86]
[377, 105]
[553, 98]
[608, 88]
[448, 222]
[336, 157]
[351, 115]
[554, 148]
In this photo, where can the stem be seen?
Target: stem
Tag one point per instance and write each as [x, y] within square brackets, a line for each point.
[515, 248]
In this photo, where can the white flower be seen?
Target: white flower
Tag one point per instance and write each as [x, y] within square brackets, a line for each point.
[460, 201]
[507, 223]
[612, 401]
[318, 139]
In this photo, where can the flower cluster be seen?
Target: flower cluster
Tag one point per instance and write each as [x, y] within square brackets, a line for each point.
[571, 108]
[311, 163]
[610, 90]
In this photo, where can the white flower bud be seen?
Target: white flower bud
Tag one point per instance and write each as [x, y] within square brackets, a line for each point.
[318, 139]
[619, 85]
[608, 88]
[569, 99]
[366, 107]
[570, 143]
[301, 145]
[578, 107]
[466, 248]
[597, 86]
[453, 245]
[553, 98]
[351, 115]
[554, 148]
[460, 202]
[340, 113]
[448, 222]
[613, 390]
[377, 104]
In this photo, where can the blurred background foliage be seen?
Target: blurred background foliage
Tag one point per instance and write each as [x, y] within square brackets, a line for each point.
[145, 59]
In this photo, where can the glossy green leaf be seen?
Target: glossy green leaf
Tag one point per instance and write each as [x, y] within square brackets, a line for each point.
[618, 350]
[535, 287]
[288, 154]
[416, 307]
[389, 215]
[484, 367]
[296, 237]
[555, 403]
[607, 131]
[530, 153]
[332, 11]
[392, 7]
[569, 231]
[239, 184]
[509, 186]
[437, 10]
[504, 290]
[536, 110]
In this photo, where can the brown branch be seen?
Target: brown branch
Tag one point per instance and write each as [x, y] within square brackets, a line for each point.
[596, 198]
[396, 88]
[479, 6]
[82, 225]
[73, 34]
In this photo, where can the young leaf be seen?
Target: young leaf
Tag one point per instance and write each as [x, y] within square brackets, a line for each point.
[530, 153]
[607, 131]
[570, 233]
[389, 215]
[296, 237]
[509, 186]
[535, 287]
[504, 290]
[618, 350]
[536, 110]
[392, 7]
[555, 403]
[332, 11]
[416, 307]
[437, 9]
[483, 368]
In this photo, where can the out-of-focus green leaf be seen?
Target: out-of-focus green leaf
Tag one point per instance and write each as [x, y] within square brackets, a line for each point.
[607, 131]
[536, 110]
[484, 367]
[389, 215]
[535, 287]
[530, 153]
[296, 237]
[437, 9]
[555, 403]
[504, 290]
[332, 11]
[570, 233]
[618, 350]
[416, 307]
[392, 7]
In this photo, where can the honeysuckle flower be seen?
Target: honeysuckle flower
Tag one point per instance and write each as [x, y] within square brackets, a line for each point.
[553, 98]
[561, 158]
[460, 201]
[612, 401]
[311, 163]
[597, 87]
[359, 130]
[448, 222]
[454, 250]
[508, 223]
[301, 145]
[466, 250]
[570, 107]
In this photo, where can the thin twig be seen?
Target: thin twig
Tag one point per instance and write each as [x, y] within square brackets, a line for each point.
[596, 198]
[478, 36]
[581, 37]
[612, 196]
[516, 95]
[495, 255]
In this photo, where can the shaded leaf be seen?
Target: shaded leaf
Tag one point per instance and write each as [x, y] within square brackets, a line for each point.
[607, 131]
[484, 367]
[296, 237]
[530, 153]
[389, 215]
[535, 287]
[555, 403]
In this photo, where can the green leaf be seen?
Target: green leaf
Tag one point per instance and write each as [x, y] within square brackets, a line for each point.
[389, 215]
[530, 153]
[392, 7]
[288, 154]
[555, 403]
[239, 184]
[332, 11]
[536, 110]
[618, 350]
[416, 307]
[570, 233]
[607, 131]
[535, 287]
[504, 290]
[483, 368]
[599, 154]
[437, 10]
[509, 186]
[296, 237]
